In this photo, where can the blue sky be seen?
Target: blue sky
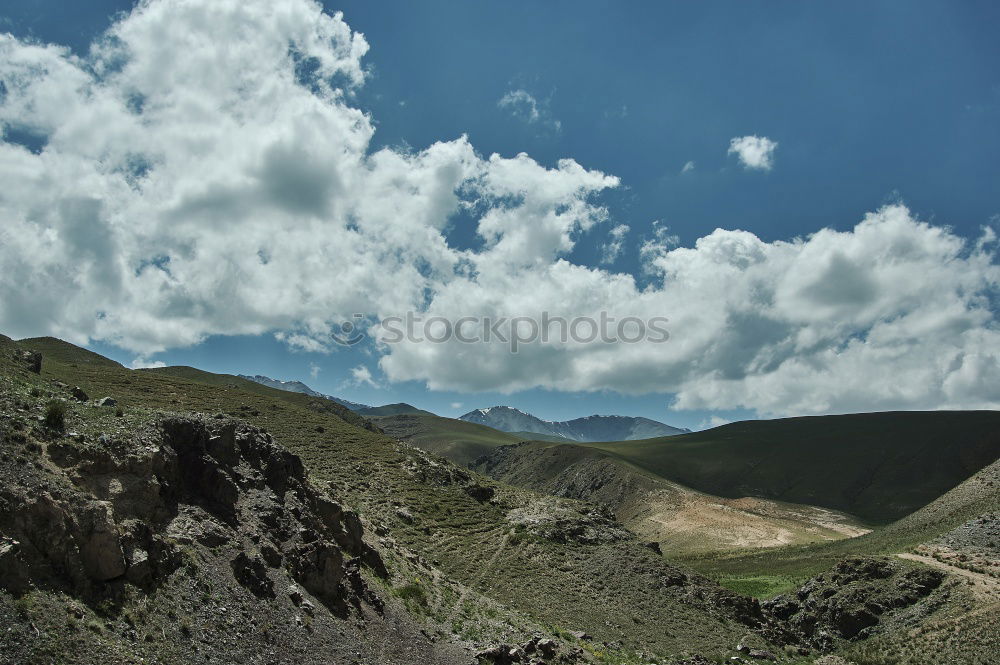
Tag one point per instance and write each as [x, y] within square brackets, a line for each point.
[870, 104]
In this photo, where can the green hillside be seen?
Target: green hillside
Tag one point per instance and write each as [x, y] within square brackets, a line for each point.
[398, 409]
[878, 466]
[475, 561]
[976, 496]
[459, 441]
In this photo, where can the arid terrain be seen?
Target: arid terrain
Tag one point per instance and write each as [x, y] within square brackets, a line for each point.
[168, 515]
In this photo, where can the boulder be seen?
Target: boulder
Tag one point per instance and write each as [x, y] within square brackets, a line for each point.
[100, 547]
[107, 401]
[13, 576]
[79, 395]
[319, 568]
[30, 360]
[272, 557]
[140, 567]
[251, 573]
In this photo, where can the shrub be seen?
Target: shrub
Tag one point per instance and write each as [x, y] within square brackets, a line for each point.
[55, 415]
[413, 593]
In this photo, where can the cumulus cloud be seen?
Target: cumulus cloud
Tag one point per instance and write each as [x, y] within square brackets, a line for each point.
[522, 104]
[456, 405]
[362, 376]
[612, 249]
[754, 152]
[142, 363]
[894, 314]
[314, 370]
[202, 171]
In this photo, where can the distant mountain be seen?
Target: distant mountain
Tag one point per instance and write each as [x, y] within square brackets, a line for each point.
[591, 428]
[398, 409]
[299, 387]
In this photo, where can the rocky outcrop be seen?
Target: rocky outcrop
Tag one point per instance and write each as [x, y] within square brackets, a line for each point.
[850, 601]
[33, 361]
[568, 521]
[186, 481]
[535, 651]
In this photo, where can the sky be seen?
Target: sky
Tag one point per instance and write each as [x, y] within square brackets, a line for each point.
[806, 193]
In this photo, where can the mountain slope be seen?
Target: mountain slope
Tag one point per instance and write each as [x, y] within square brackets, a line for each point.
[145, 537]
[931, 527]
[591, 428]
[681, 520]
[457, 440]
[878, 466]
[472, 562]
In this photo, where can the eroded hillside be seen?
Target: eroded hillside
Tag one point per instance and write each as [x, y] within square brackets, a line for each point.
[192, 521]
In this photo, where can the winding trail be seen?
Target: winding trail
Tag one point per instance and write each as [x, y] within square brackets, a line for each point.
[984, 586]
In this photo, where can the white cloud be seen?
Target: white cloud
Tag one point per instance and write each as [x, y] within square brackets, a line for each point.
[713, 421]
[142, 363]
[894, 314]
[522, 104]
[314, 370]
[456, 405]
[661, 241]
[362, 376]
[754, 152]
[194, 181]
[611, 250]
[688, 167]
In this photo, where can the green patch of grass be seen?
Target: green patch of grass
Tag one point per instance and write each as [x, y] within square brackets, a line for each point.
[412, 593]
[759, 586]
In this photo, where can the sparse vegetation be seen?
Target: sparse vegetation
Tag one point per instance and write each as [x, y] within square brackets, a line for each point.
[457, 561]
[414, 593]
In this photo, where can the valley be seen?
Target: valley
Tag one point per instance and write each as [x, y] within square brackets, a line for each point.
[574, 552]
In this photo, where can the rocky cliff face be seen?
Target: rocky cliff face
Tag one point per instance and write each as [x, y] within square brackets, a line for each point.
[190, 481]
[206, 519]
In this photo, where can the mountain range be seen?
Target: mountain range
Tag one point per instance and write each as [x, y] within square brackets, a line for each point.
[299, 387]
[590, 429]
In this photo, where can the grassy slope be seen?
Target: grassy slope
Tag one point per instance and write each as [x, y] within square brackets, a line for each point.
[878, 466]
[778, 569]
[680, 519]
[458, 440]
[397, 409]
[606, 590]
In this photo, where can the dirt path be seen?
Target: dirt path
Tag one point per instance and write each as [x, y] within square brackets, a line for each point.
[482, 573]
[984, 586]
